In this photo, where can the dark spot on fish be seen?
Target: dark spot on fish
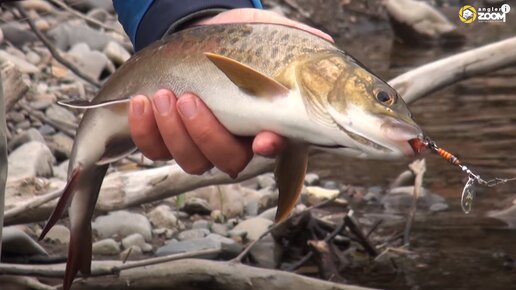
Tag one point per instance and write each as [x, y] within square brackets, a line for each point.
[233, 40]
[248, 58]
[223, 51]
[259, 51]
[274, 52]
[285, 37]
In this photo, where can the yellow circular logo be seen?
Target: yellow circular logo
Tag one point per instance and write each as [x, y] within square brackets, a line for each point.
[467, 14]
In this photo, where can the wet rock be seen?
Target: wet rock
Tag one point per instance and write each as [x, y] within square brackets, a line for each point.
[30, 160]
[312, 195]
[58, 233]
[266, 180]
[417, 22]
[197, 206]
[438, 207]
[122, 224]
[23, 125]
[25, 137]
[329, 184]
[250, 183]
[21, 64]
[60, 114]
[99, 14]
[37, 5]
[507, 215]
[116, 53]
[257, 201]
[61, 144]
[219, 229]
[15, 242]
[61, 171]
[163, 217]
[86, 5]
[136, 240]
[263, 252]
[217, 216]
[66, 35]
[17, 34]
[229, 246]
[311, 179]
[269, 214]
[254, 227]
[374, 194]
[90, 61]
[41, 104]
[16, 117]
[46, 130]
[227, 198]
[400, 198]
[193, 234]
[33, 58]
[175, 247]
[201, 224]
[108, 247]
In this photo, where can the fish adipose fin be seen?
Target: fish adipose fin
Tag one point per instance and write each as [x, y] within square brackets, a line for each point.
[84, 105]
[290, 174]
[247, 78]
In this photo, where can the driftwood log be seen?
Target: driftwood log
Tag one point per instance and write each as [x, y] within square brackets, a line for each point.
[3, 157]
[187, 274]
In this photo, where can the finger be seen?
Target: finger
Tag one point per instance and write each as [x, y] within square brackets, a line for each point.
[249, 15]
[225, 151]
[269, 144]
[175, 136]
[144, 130]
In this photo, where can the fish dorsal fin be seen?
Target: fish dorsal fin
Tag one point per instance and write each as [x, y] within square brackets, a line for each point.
[290, 174]
[247, 78]
[84, 105]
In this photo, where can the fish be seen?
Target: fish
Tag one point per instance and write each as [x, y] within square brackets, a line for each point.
[253, 77]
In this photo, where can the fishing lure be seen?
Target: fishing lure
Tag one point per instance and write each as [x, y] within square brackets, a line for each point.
[468, 193]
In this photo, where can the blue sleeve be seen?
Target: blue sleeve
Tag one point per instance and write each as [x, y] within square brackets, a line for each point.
[146, 21]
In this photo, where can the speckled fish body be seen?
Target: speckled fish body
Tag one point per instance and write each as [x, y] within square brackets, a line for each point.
[323, 98]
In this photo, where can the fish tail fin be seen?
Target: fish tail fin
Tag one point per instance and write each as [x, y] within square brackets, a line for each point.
[63, 202]
[81, 212]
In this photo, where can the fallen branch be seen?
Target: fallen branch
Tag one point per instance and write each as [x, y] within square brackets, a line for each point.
[53, 50]
[184, 274]
[33, 203]
[418, 167]
[122, 190]
[355, 229]
[436, 75]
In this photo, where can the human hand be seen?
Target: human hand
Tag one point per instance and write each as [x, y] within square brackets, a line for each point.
[185, 129]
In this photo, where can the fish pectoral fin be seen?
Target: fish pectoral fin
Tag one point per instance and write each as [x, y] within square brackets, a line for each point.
[117, 147]
[84, 105]
[290, 175]
[247, 78]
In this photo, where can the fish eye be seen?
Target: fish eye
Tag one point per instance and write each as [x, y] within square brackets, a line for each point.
[385, 98]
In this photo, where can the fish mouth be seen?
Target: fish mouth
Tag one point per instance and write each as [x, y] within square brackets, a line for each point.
[407, 137]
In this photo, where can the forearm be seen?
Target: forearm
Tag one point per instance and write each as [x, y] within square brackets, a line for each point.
[146, 21]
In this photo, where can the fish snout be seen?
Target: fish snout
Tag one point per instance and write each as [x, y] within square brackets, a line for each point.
[407, 136]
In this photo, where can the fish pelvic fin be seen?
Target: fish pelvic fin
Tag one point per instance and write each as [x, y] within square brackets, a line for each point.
[290, 175]
[84, 105]
[247, 78]
[81, 212]
[63, 202]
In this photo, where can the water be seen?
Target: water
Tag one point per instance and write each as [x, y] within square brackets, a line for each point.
[475, 120]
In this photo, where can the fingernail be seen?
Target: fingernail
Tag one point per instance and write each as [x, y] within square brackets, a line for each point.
[187, 106]
[138, 105]
[162, 103]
